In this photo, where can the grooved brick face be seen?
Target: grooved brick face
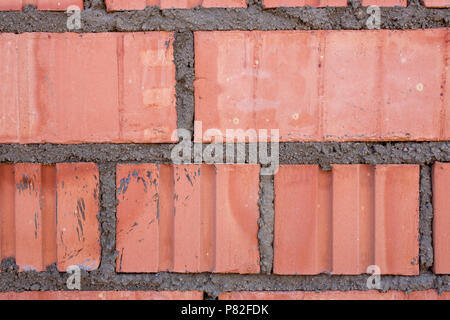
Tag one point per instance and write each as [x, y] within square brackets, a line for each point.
[335, 295]
[302, 3]
[103, 295]
[48, 214]
[441, 219]
[324, 85]
[118, 5]
[330, 3]
[343, 221]
[76, 88]
[187, 218]
[384, 3]
[51, 5]
[437, 3]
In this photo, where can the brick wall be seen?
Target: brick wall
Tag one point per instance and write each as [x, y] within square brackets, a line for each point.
[89, 142]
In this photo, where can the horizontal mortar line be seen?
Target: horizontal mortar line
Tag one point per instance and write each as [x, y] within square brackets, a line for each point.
[233, 282]
[289, 152]
[253, 18]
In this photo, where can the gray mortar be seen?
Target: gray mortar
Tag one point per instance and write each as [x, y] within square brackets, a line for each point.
[426, 219]
[184, 23]
[328, 153]
[211, 284]
[323, 153]
[107, 220]
[266, 223]
[183, 51]
[96, 19]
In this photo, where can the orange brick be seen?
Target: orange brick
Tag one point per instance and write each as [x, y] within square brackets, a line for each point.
[124, 92]
[441, 220]
[384, 3]
[390, 83]
[224, 3]
[49, 215]
[77, 186]
[119, 5]
[437, 3]
[51, 5]
[334, 295]
[31, 253]
[103, 295]
[187, 218]
[343, 221]
[351, 85]
[7, 211]
[301, 3]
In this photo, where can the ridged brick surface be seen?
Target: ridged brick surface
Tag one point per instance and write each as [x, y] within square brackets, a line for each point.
[346, 85]
[384, 3]
[441, 219]
[48, 214]
[302, 3]
[51, 5]
[119, 5]
[75, 88]
[343, 220]
[437, 3]
[187, 218]
[335, 295]
[103, 295]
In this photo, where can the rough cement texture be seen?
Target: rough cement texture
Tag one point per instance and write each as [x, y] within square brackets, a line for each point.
[184, 23]
[266, 223]
[96, 19]
[363, 152]
[183, 51]
[107, 221]
[323, 153]
[425, 219]
[212, 284]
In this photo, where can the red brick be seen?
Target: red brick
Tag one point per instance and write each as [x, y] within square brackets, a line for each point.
[48, 215]
[30, 232]
[302, 3]
[324, 85]
[51, 5]
[384, 3]
[120, 5]
[334, 295]
[187, 218]
[436, 3]
[344, 220]
[77, 186]
[124, 92]
[330, 3]
[224, 3]
[103, 295]
[429, 295]
[441, 220]
[7, 203]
